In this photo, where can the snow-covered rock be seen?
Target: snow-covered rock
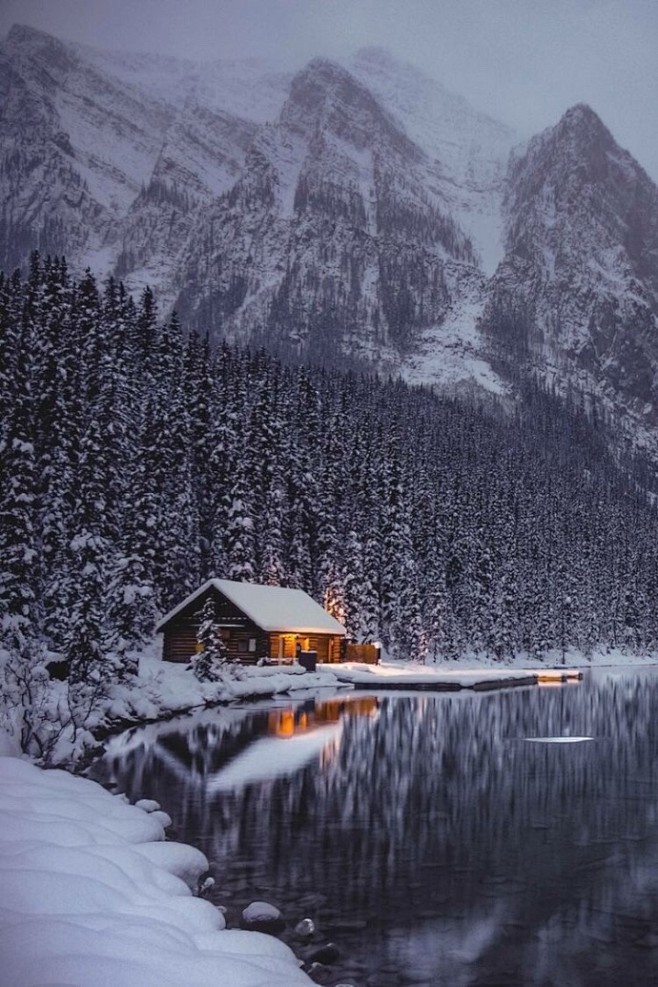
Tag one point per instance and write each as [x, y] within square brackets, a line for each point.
[305, 928]
[261, 916]
[148, 805]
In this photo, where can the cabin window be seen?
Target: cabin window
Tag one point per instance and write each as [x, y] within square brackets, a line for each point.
[252, 644]
[242, 647]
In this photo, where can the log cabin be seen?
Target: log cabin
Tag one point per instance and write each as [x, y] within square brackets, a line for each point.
[254, 622]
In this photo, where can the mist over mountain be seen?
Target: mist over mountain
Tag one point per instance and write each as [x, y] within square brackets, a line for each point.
[352, 214]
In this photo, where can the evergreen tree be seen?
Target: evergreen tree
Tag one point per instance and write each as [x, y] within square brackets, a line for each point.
[19, 543]
[209, 663]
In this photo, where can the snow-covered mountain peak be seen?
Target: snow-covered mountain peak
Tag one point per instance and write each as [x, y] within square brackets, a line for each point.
[442, 122]
[471, 149]
[580, 168]
[23, 35]
[582, 115]
[582, 138]
[579, 283]
[325, 96]
[355, 209]
[253, 88]
[39, 52]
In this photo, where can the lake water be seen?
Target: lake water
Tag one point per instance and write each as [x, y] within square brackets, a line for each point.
[451, 839]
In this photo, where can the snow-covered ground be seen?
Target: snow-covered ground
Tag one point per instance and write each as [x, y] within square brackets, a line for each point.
[165, 688]
[453, 355]
[572, 658]
[91, 896]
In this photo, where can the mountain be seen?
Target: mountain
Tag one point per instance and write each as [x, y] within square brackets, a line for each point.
[337, 235]
[470, 151]
[354, 213]
[75, 147]
[469, 147]
[576, 295]
[294, 211]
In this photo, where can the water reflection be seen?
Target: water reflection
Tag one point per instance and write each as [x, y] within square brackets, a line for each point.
[473, 856]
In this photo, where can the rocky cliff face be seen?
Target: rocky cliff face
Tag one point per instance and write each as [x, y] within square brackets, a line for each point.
[291, 211]
[356, 212]
[577, 291]
[337, 235]
[75, 145]
[470, 149]
[202, 155]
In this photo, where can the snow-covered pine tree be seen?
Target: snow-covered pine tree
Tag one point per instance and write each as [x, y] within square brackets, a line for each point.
[146, 339]
[332, 514]
[267, 468]
[298, 530]
[239, 536]
[130, 613]
[399, 602]
[19, 548]
[210, 663]
[304, 462]
[200, 386]
[24, 708]
[88, 560]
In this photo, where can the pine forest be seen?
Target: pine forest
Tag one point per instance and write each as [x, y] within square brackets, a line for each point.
[138, 461]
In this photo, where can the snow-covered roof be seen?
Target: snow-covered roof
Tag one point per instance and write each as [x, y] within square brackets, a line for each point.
[273, 608]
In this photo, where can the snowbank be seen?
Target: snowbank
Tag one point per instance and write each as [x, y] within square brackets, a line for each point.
[600, 657]
[481, 672]
[92, 896]
[165, 688]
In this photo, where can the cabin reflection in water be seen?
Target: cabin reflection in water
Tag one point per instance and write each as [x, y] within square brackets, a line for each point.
[291, 722]
[228, 747]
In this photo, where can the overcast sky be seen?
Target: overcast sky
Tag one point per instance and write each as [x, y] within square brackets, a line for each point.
[522, 61]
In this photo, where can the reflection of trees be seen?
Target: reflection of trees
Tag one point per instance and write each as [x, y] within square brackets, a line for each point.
[438, 804]
[183, 756]
[452, 782]
[173, 762]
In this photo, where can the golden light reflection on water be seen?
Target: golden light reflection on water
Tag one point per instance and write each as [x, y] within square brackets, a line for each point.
[293, 721]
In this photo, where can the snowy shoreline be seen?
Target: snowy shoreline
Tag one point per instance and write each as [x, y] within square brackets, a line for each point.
[92, 893]
[167, 690]
[163, 690]
[91, 890]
